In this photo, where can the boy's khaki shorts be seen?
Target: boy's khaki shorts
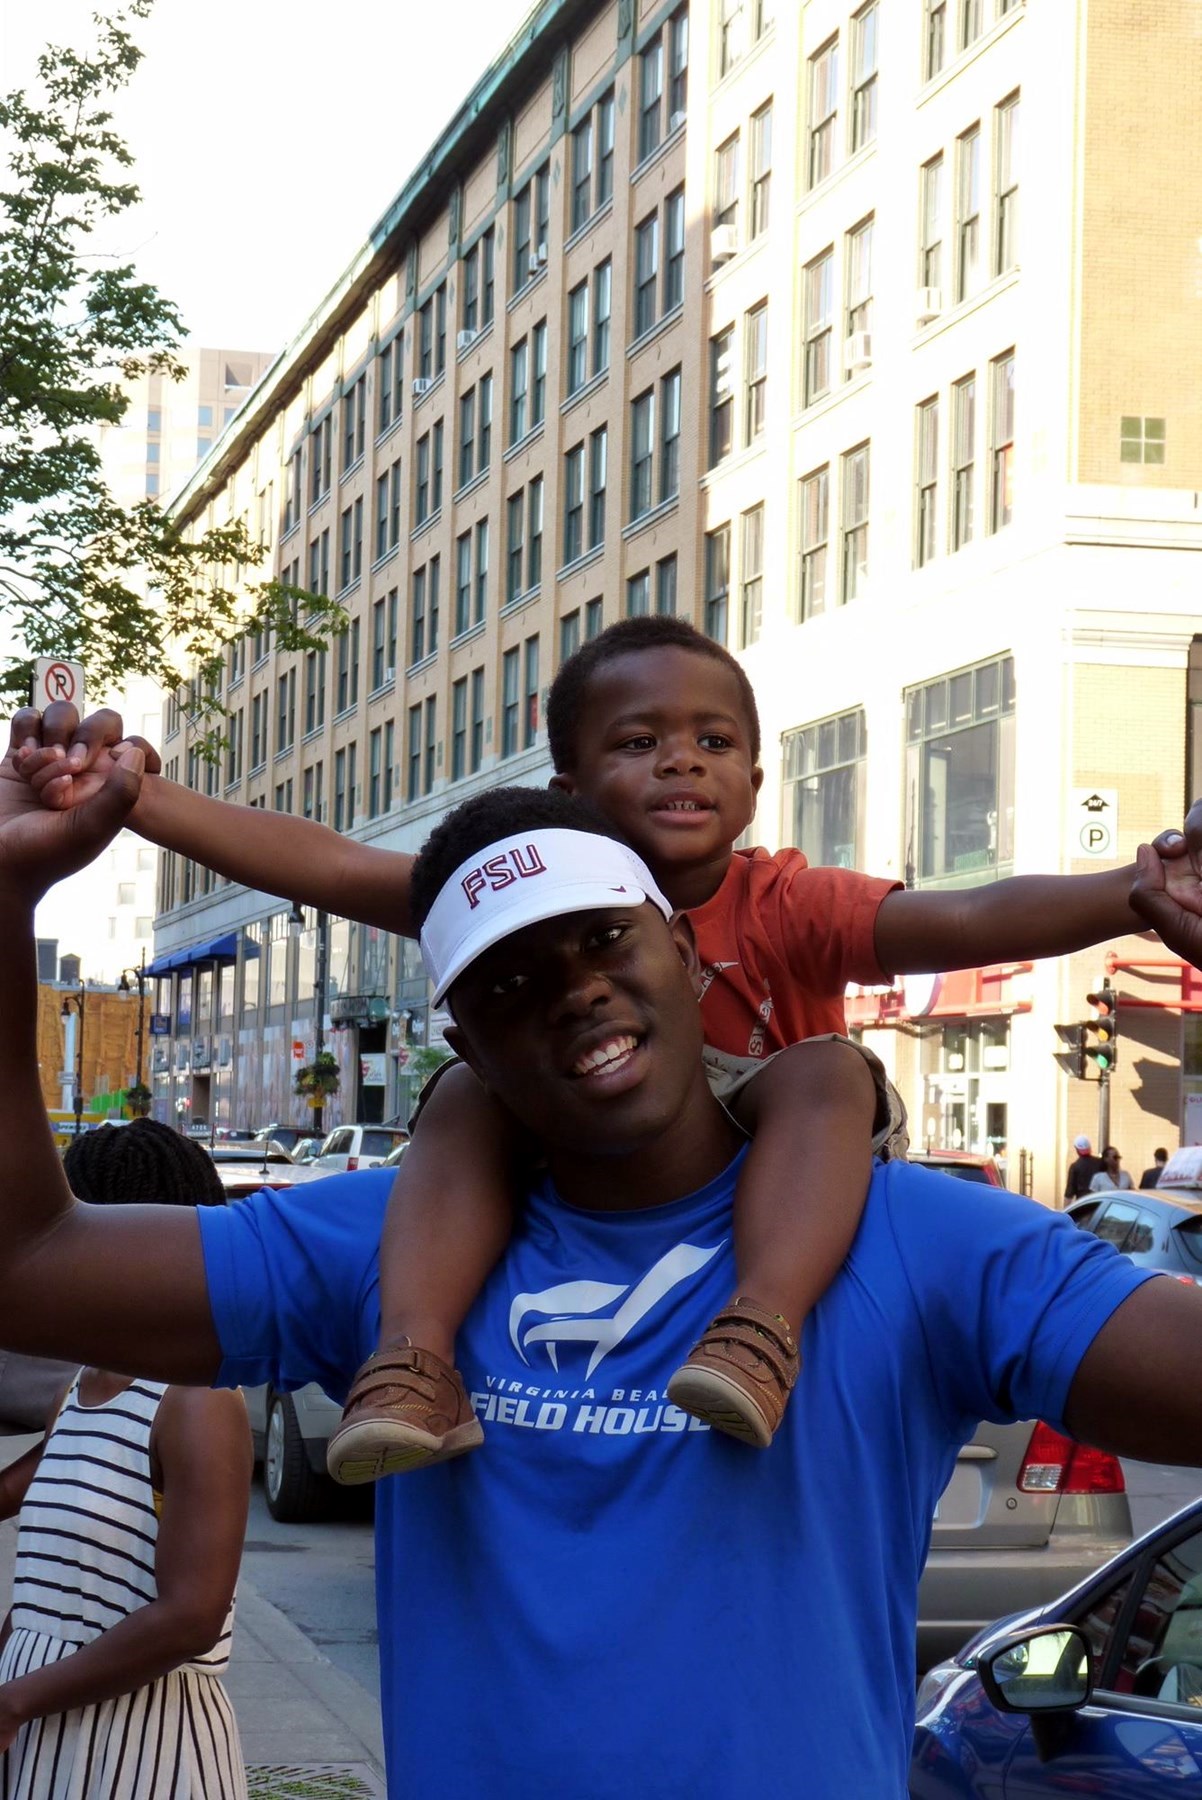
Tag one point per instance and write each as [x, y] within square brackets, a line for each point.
[729, 1075]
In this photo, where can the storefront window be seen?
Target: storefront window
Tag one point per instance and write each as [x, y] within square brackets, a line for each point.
[960, 777]
[965, 1088]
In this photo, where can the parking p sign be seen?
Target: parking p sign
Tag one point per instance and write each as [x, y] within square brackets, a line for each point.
[1093, 822]
[57, 679]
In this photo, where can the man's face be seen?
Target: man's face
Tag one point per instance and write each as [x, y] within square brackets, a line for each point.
[587, 1027]
[663, 749]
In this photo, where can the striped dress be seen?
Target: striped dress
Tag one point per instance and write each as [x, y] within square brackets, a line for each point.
[85, 1560]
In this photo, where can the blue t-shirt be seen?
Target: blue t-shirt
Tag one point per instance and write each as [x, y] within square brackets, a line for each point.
[608, 1599]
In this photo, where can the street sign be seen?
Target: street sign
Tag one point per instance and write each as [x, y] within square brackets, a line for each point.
[1093, 821]
[57, 679]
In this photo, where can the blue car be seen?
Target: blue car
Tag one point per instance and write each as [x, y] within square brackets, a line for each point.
[1099, 1693]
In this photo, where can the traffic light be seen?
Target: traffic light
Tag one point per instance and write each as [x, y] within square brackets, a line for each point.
[1072, 1058]
[1100, 1034]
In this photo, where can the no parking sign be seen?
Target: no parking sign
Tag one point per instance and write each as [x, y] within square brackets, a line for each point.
[57, 679]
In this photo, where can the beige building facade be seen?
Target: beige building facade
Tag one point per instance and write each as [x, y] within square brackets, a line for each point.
[858, 336]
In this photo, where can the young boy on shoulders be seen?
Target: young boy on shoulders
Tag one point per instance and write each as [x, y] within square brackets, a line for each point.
[656, 726]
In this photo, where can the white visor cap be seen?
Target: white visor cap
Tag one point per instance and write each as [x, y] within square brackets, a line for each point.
[522, 880]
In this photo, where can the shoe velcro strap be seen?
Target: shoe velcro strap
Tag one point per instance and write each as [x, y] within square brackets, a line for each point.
[399, 1370]
[734, 1328]
[770, 1324]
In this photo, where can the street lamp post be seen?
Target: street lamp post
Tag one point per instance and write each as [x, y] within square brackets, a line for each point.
[76, 1001]
[320, 983]
[123, 987]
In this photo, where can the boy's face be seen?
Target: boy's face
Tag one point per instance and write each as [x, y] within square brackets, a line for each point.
[663, 749]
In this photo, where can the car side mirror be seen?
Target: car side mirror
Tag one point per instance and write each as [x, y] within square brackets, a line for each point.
[1043, 1671]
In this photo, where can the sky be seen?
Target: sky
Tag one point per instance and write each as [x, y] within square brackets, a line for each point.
[269, 137]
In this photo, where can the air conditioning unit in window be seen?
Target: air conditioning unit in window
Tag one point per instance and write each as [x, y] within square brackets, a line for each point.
[465, 340]
[930, 304]
[389, 676]
[676, 120]
[421, 385]
[539, 258]
[724, 242]
[857, 351]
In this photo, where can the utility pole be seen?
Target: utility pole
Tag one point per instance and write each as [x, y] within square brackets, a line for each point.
[320, 984]
[77, 1001]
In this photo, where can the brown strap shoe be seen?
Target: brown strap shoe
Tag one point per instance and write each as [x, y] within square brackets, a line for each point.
[406, 1408]
[740, 1373]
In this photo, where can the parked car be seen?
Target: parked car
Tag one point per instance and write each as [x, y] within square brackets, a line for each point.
[1158, 1228]
[286, 1136]
[1096, 1693]
[1026, 1514]
[966, 1165]
[350, 1147]
[245, 1168]
[306, 1150]
[290, 1433]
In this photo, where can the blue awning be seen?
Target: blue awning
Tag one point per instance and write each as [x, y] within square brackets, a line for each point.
[218, 949]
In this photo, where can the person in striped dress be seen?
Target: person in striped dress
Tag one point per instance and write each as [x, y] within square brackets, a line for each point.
[132, 1517]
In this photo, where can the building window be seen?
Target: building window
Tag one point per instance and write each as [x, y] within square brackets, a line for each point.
[646, 273]
[315, 690]
[354, 423]
[598, 462]
[511, 675]
[258, 733]
[347, 667]
[855, 522]
[669, 436]
[285, 715]
[292, 499]
[934, 37]
[751, 577]
[824, 776]
[960, 776]
[972, 22]
[717, 582]
[1006, 176]
[1141, 440]
[605, 149]
[417, 617]
[642, 453]
[569, 635]
[534, 533]
[582, 172]
[481, 569]
[594, 618]
[459, 729]
[761, 169]
[530, 709]
[573, 504]
[638, 595]
[519, 390]
[678, 67]
[651, 94]
[863, 76]
[322, 456]
[313, 802]
[1001, 454]
[421, 497]
[436, 467]
[665, 586]
[968, 213]
[432, 335]
[378, 630]
[722, 399]
[413, 773]
[431, 745]
[344, 787]
[964, 435]
[930, 269]
[476, 742]
[463, 582]
[577, 337]
[815, 533]
[927, 486]
[467, 436]
[824, 104]
[602, 305]
[732, 35]
[819, 325]
[859, 296]
[531, 220]
[479, 282]
[516, 544]
[381, 516]
[538, 385]
[755, 348]
[674, 250]
[484, 423]
[726, 183]
[375, 773]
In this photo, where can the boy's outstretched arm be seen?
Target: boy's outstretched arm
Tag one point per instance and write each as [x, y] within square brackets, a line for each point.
[66, 759]
[1028, 916]
[123, 1287]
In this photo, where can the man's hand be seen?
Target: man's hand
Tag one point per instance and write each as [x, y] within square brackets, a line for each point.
[1169, 896]
[39, 847]
[67, 760]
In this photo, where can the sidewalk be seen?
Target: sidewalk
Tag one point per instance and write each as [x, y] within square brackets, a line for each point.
[308, 1730]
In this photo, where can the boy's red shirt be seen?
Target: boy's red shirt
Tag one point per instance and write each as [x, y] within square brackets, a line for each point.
[779, 943]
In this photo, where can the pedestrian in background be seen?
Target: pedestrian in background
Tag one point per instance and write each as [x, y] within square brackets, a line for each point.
[1151, 1177]
[1110, 1175]
[1082, 1169]
[132, 1518]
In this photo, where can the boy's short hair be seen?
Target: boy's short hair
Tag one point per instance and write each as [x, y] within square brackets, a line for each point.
[566, 699]
[485, 818]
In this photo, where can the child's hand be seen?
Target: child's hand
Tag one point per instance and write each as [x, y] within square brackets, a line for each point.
[65, 760]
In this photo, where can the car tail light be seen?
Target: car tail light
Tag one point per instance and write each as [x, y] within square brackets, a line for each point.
[352, 1163]
[1054, 1464]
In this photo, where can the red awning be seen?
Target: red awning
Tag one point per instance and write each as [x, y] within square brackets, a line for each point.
[999, 988]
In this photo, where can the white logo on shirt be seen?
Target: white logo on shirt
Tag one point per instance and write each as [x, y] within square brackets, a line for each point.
[570, 1308]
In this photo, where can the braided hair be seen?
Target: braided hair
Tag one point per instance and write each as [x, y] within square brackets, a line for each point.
[144, 1160]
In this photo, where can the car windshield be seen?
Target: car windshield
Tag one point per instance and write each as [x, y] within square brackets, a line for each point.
[379, 1143]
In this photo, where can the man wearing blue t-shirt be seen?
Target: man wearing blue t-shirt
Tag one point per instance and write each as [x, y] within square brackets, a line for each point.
[608, 1600]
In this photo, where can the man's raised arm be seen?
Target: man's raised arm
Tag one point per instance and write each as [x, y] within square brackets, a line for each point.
[122, 1287]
